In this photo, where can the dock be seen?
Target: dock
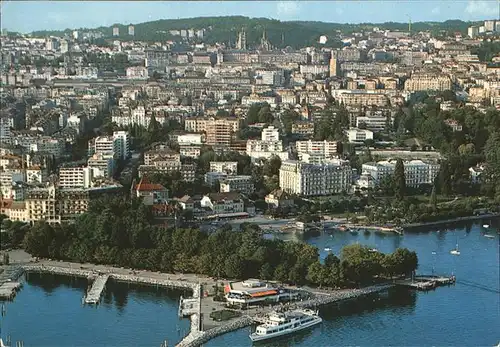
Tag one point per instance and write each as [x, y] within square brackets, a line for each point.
[425, 283]
[8, 290]
[94, 294]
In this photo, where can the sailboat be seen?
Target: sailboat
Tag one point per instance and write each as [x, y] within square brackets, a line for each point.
[455, 251]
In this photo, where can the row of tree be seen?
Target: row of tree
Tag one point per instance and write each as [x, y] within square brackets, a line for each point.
[120, 232]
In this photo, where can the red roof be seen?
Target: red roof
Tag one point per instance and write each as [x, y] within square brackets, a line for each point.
[145, 186]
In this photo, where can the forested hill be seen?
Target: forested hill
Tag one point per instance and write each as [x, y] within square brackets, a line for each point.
[280, 34]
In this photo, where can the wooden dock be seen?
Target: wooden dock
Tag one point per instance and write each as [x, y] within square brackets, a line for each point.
[426, 282]
[94, 294]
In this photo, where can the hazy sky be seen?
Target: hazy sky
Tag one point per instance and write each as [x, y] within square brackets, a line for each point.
[27, 16]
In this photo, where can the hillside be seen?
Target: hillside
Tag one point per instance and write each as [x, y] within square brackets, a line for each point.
[281, 34]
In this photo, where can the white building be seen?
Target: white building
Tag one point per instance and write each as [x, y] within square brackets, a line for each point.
[322, 149]
[417, 172]
[190, 151]
[190, 139]
[359, 135]
[228, 167]
[223, 203]
[241, 183]
[267, 146]
[374, 122]
[306, 179]
[137, 72]
[117, 145]
[102, 165]
[75, 177]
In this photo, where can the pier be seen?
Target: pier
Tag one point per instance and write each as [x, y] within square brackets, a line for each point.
[8, 290]
[94, 294]
[426, 282]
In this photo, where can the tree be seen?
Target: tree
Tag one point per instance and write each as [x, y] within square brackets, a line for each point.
[272, 166]
[399, 180]
[433, 198]
[444, 179]
[233, 266]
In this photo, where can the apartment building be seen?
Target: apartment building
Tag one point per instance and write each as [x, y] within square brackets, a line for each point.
[267, 146]
[372, 122]
[306, 179]
[75, 177]
[428, 82]
[359, 98]
[201, 124]
[359, 135]
[228, 167]
[324, 149]
[101, 164]
[417, 172]
[117, 145]
[240, 183]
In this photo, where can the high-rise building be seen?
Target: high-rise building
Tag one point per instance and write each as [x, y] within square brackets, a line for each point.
[473, 31]
[131, 30]
[116, 31]
[333, 67]
[75, 34]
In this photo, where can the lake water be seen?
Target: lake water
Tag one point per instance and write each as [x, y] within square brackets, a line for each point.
[466, 314]
[48, 310]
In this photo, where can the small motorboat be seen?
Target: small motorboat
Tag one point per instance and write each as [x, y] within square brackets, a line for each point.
[489, 236]
[327, 249]
[433, 252]
[486, 226]
[373, 250]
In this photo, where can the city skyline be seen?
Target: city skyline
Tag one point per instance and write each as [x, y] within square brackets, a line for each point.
[24, 16]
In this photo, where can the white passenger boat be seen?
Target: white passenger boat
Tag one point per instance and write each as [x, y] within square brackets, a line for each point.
[279, 324]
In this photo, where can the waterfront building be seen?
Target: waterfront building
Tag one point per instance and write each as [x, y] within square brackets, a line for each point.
[305, 179]
[417, 172]
[224, 204]
[254, 292]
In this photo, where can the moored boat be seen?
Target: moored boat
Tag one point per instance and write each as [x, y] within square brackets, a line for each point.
[284, 323]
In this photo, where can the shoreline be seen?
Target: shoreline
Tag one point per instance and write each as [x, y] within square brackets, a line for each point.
[452, 220]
